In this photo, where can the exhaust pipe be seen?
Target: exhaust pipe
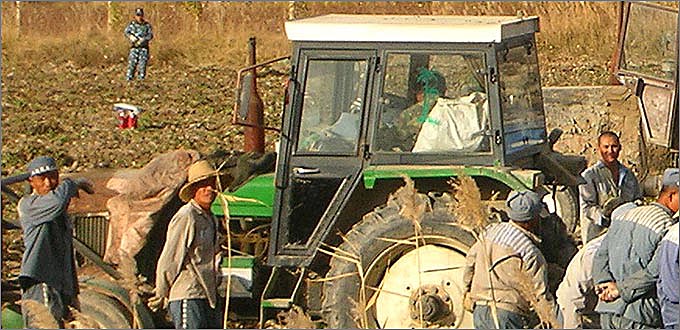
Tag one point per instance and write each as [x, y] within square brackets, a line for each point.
[254, 120]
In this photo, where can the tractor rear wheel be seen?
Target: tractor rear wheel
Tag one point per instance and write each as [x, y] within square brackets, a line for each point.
[409, 279]
[565, 206]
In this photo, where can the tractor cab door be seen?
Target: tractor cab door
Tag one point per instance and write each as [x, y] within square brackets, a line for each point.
[648, 65]
[322, 151]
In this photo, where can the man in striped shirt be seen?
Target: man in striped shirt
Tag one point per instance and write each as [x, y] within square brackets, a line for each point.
[626, 266]
[506, 274]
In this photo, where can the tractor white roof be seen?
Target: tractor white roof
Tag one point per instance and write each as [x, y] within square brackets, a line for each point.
[402, 28]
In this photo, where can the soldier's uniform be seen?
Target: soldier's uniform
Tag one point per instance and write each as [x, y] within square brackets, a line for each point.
[139, 35]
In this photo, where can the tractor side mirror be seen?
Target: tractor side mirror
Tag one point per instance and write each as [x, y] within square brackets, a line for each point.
[554, 135]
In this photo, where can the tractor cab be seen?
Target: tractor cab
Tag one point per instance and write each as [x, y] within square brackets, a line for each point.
[374, 98]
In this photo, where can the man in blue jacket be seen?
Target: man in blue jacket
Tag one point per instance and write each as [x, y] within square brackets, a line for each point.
[48, 274]
[669, 278]
[626, 266]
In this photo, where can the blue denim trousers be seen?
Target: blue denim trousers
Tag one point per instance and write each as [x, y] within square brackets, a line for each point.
[193, 314]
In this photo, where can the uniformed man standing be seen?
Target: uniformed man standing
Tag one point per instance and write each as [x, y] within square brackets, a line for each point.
[139, 34]
[608, 185]
[626, 266]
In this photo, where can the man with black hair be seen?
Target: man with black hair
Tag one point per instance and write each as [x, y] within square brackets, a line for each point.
[48, 270]
[608, 185]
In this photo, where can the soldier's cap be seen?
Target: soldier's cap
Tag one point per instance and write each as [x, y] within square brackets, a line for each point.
[41, 165]
[139, 12]
[671, 177]
[523, 205]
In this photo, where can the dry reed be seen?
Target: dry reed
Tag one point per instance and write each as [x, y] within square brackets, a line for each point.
[472, 215]
[542, 307]
[467, 205]
[39, 315]
[81, 321]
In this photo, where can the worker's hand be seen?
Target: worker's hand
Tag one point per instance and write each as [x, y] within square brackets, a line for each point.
[607, 292]
[139, 42]
[132, 39]
[467, 302]
[157, 303]
[85, 185]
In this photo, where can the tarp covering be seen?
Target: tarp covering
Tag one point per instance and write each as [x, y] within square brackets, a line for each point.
[143, 194]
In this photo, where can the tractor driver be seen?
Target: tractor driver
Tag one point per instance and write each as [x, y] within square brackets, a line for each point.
[430, 87]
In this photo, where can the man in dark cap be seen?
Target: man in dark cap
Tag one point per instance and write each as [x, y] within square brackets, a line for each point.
[139, 34]
[505, 269]
[48, 273]
[626, 266]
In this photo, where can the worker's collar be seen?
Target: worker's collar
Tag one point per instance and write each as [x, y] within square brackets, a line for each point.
[664, 208]
[529, 234]
[200, 209]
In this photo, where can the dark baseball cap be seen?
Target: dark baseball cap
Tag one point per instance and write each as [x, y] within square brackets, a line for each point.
[41, 165]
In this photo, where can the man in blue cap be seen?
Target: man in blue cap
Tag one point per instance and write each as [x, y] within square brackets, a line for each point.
[626, 266]
[508, 256]
[139, 34]
[48, 273]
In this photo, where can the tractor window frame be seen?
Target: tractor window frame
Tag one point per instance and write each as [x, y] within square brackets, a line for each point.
[331, 129]
[634, 23]
[401, 94]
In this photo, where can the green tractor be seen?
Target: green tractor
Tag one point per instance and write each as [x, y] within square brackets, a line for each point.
[374, 99]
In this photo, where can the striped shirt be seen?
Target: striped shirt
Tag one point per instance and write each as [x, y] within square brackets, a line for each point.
[515, 238]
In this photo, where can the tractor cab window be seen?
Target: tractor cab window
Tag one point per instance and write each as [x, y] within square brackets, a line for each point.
[651, 40]
[520, 97]
[331, 107]
[434, 103]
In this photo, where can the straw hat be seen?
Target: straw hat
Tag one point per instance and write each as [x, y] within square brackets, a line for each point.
[200, 171]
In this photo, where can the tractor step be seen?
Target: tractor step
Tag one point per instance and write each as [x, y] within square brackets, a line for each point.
[281, 292]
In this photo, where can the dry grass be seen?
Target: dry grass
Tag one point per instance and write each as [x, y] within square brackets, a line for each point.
[81, 321]
[541, 306]
[412, 205]
[467, 206]
[40, 315]
[80, 32]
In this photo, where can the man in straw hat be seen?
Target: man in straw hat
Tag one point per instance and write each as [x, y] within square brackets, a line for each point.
[626, 266]
[186, 275]
[48, 272]
[509, 257]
